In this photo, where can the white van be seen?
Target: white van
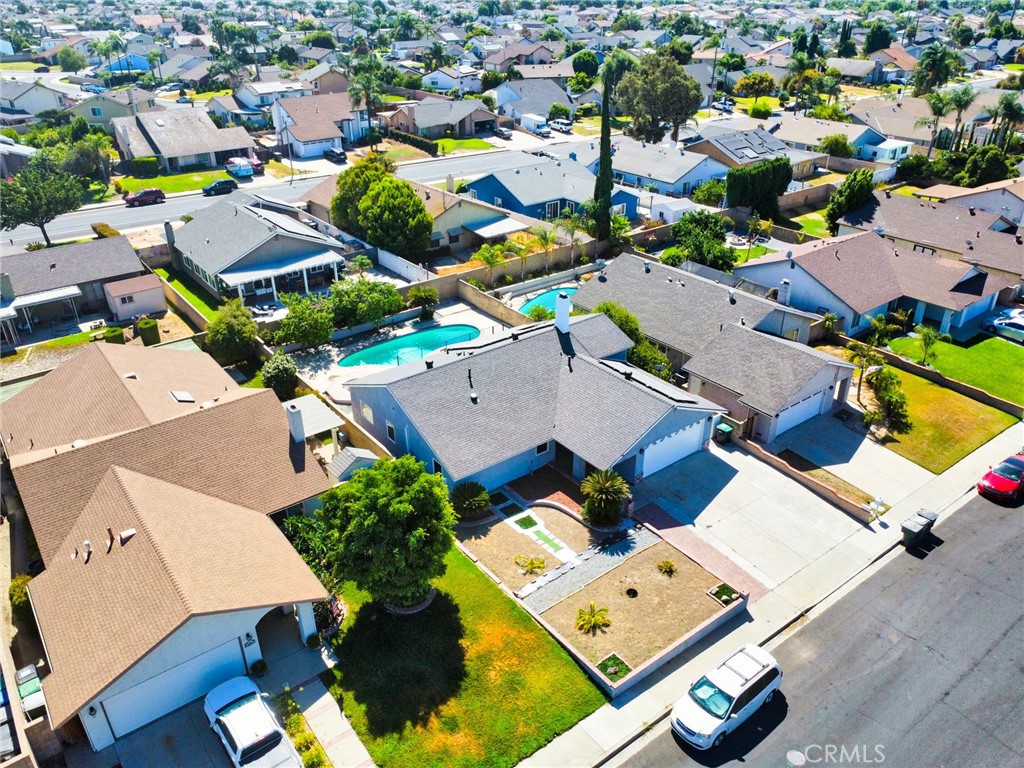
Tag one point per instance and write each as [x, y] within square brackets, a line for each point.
[725, 697]
[238, 167]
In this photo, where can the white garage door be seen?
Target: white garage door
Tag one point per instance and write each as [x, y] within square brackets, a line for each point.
[799, 413]
[672, 449]
[174, 688]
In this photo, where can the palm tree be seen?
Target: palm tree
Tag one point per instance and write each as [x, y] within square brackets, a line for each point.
[571, 222]
[229, 67]
[940, 107]
[365, 87]
[1009, 113]
[799, 63]
[960, 100]
[407, 26]
[606, 494]
[935, 68]
[864, 357]
[117, 45]
[592, 620]
[435, 57]
[155, 59]
[490, 256]
[546, 239]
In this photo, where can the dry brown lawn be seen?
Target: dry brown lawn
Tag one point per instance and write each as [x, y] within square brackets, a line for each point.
[570, 530]
[665, 610]
[497, 545]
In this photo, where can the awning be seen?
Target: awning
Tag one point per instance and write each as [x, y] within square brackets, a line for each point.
[503, 225]
[454, 231]
[236, 277]
[313, 416]
[41, 297]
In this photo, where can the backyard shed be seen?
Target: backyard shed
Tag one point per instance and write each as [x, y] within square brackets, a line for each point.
[142, 295]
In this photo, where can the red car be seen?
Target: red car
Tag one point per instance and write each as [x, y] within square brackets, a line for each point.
[145, 197]
[1004, 481]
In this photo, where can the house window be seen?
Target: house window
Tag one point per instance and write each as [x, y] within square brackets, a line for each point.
[366, 411]
[316, 268]
[437, 468]
[127, 299]
[922, 249]
[391, 430]
[542, 448]
[619, 210]
[189, 265]
[472, 193]
[551, 210]
[498, 202]
[453, 239]
[96, 111]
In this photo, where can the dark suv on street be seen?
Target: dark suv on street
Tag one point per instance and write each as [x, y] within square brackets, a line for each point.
[220, 187]
[145, 197]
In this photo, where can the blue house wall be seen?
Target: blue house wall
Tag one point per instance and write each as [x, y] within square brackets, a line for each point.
[490, 190]
[128, 62]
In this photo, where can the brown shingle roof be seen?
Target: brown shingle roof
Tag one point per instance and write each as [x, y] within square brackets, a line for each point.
[239, 451]
[133, 285]
[90, 397]
[191, 555]
[316, 116]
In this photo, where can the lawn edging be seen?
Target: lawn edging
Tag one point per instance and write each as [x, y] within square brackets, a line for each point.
[932, 375]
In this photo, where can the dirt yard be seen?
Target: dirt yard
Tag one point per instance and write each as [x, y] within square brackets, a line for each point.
[497, 545]
[664, 610]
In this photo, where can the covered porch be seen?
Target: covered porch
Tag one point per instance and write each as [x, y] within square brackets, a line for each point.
[281, 635]
[307, 274]
[44, 315]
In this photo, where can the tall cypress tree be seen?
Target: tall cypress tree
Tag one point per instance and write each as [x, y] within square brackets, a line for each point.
[615, 66]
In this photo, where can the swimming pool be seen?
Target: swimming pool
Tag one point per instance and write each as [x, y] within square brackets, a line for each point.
[546, 300]
[412, 346]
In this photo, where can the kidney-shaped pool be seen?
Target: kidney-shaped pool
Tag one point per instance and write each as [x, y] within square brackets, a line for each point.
[412, 346]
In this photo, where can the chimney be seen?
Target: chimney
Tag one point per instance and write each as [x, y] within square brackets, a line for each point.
[971, 210]
[169, 235]
[294, 421]
[563, 308]
[6, 287]
[784, 291]
[429, 364]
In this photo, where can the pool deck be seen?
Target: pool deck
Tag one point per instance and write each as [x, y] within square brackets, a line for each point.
[319, 367]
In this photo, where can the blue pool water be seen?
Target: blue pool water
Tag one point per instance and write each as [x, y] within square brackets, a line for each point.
[546, 300]
[412, 346]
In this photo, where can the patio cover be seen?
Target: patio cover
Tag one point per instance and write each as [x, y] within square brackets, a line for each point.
[39, 297]
[236, 277]
[503, 225]
[314, 416]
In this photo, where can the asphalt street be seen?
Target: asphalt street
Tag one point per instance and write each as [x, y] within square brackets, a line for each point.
[920, 666]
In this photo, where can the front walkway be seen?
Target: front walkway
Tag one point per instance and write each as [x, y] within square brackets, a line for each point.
[619, 722]
[331, 728]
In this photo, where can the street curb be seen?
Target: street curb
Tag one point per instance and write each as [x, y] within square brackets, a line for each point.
[635, 735]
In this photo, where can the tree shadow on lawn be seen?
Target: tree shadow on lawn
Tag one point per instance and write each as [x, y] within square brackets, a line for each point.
[402, 668]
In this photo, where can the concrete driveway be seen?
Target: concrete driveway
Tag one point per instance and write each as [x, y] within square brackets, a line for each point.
[182, 739]
[850, 455]
[768, 524]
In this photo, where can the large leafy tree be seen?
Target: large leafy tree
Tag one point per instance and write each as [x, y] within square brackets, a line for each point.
[389, 529]
[837, 145]
[321, 38]
[657, 92]
[394, 217]
[231, 335]
[700, 236]
[877, 38]
[935, 67]
[70, 60]
[615, 66]
[855, 190]
[756, 84]
[40, 192]
[644, 355]
[353, 184]
[585, 62]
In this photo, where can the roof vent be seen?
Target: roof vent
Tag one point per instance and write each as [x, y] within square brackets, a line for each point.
[879, 231]
[78, 443]
[126, 535]
[87, 546]
[206, 404]
[473, 398]
[647, 267]
[1019, 240]
[970, 210]
[132, 375]
[429, 364]
[53, 267]
[110, 539]
[628, 375]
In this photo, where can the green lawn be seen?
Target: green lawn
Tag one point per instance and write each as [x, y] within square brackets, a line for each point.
[755, 252]
[179, 182]
[252, 369]
[209, 95]
[393, 97]
[453, 146]
[197, 297]
[947, 426]
[1015, 67]
[811, 223]
[993, 364]
[72, 340]
[471, 681]
[23, 66]
[746, 102]
[97, 193]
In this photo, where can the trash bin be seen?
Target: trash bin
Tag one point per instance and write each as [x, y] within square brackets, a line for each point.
[928, 515]
[914, 530]
[722, 433]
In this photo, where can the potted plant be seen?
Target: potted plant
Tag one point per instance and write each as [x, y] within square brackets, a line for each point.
[258, 668]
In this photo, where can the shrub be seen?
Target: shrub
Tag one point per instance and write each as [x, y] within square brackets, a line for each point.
[314, 758]
[673, 256]
[144, 167]
[529, 565]
[427, 145]
[36, 246]
[471, 501]
[606, 493]
[480, 286]
[118, 187]
[231, 335]
[18, 594]
[114, 336]
[294, 724]
[313, 641]
[185, 218]
[259, 667]
[104, 230]
[281, 375]
[759, 111]
[304, 741]
[539, 313]
[592, 620]
[667, 567]
[149, 330]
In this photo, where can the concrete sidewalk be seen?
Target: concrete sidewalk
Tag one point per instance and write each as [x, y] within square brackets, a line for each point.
[612, 727]
[331, 728]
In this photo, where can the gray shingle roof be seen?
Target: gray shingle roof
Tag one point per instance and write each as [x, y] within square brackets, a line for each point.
[72, 264]
[536, 96]
[538, 387]
[683, 314]
[764, 370]
[535, 184]
[177, 132]
[433, 112]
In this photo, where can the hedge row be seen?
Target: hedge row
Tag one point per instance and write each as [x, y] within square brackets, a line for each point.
[427, 145]
[145, 166]
[149, 330]
[104, 230]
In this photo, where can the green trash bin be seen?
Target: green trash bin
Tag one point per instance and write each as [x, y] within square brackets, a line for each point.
[722, 433]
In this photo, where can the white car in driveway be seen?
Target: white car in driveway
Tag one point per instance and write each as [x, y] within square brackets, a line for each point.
[1010, 327]
[725, 697]
[239, 715]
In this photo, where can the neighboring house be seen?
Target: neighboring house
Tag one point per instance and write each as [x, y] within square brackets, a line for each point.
[309, 125]
[671, 209]
[37, 287]
[564, 405]
[771, 384]
[13, 157]
[890, 151]
[857, 70]
[230, 111]
[135, 296]
[179, 138]
[546, 190]
[463, 77]
[516, 98]
[20, 101]
[401, 50]
[139, 512]
[806, 134]
[557, 72]
[326, 78]
[522, 53]
[316, 55]
[127, 62]
[99, 109]
[746, 148]
[906, 120]
[260, 95]
[49, 53]
[1005, 198]
[859, 276]
[895, 61]
[254, 249]
[438, 118]
[670, 170]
